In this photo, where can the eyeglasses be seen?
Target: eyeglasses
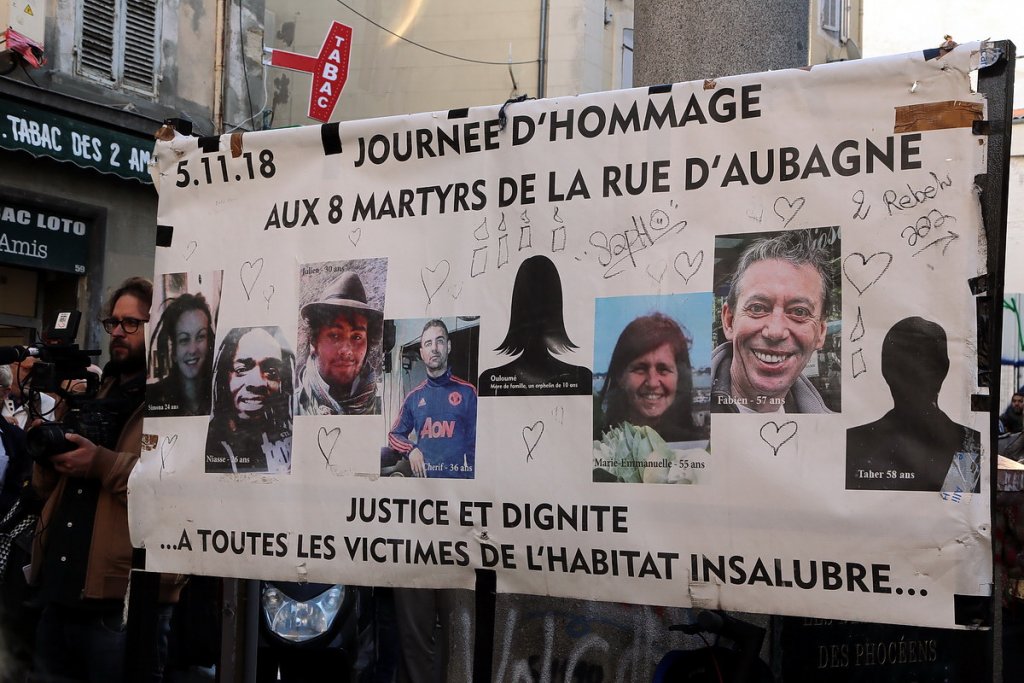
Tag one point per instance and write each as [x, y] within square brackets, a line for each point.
[129, 325]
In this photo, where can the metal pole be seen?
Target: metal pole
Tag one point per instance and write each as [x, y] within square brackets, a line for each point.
[995, 82]
[542, 57]
[231, 668]
[483, 640]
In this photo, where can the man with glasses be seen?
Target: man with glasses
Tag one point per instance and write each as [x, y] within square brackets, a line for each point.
[81, 556]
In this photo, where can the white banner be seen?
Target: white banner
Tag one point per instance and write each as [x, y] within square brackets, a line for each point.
[711, 344]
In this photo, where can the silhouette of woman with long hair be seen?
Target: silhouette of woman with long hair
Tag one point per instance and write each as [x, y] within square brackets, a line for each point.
[536, 331]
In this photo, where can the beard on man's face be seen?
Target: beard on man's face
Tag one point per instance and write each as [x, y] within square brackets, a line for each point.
[126, 359]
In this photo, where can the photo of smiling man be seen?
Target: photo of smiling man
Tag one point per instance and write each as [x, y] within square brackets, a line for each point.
[340, 334]
[778, 326]
[251, 422]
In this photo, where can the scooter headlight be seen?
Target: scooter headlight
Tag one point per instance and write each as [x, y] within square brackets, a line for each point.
[300, 621]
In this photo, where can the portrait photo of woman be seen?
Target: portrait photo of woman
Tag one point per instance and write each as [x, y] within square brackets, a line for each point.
[652, 402]
[181, 345]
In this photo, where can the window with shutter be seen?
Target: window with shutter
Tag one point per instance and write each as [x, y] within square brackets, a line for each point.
[96, 47]
[140, 44]
[118, 42]
[834, 17]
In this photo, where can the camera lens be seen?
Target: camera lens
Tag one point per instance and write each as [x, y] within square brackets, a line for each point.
[47, 440]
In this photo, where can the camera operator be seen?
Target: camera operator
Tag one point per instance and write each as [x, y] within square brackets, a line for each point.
[81, 558]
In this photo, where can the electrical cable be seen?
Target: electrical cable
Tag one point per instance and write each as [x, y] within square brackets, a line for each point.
[21, 62]
[430, 49]
[245, 71]
[231, 128]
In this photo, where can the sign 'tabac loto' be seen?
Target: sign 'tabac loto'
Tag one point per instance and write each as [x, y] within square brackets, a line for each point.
[329, 69]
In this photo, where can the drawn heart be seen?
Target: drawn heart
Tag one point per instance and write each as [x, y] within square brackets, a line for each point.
[249, 274]
[691, 267]
[777, 436]
[434, 278]
[656, 271]
[169, 442]
[166, 449]
[789, 209]
[327, 440]
[190, 249]
[354, 236]
[268, 293]
[863, 272]
[531, 436]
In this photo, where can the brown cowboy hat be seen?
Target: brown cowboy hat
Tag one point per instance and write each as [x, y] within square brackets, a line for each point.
[346, 291]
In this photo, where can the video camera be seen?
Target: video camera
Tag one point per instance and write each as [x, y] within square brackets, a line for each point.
[60, 368]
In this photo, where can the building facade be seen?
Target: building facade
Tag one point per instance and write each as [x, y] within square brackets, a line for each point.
[410, 56]
[84, 85]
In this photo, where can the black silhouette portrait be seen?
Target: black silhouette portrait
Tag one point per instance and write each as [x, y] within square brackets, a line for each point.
[536, 332]
[915, 446]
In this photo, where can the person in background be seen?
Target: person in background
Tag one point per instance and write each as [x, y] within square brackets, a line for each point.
[15, 462]
[16, 408]
[11, 436]
[81, 555]
[18, 516]
[1012, 418]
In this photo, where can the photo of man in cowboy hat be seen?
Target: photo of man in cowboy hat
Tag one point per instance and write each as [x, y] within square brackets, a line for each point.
[344, 327]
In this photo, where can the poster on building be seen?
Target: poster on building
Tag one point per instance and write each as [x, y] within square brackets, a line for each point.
[707, 344]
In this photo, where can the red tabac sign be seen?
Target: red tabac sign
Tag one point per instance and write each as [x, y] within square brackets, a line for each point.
[329, 69]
